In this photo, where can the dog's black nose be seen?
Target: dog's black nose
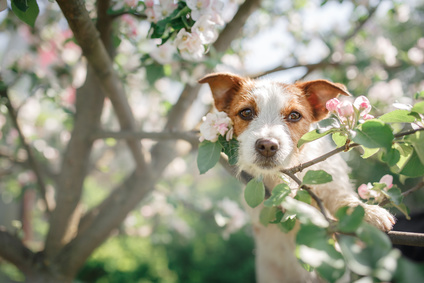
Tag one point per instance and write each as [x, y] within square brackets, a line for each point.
[267, 147]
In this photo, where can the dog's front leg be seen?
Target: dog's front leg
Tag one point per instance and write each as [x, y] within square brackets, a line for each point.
[335, 197]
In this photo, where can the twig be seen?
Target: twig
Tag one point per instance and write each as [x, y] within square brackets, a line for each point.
[418, 186]
[409, 132]
[190, 136]
[301, 167]
[31, 158]
[311, 193]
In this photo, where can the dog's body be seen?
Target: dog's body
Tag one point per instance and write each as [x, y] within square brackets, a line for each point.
[269, 119]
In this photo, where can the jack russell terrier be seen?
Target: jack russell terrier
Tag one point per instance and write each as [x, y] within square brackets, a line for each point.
[269, 119]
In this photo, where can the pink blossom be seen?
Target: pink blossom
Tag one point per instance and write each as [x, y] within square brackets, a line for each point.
[368, 117]
[362, 104]
[149, 3]
[363, 191]
[215, 124]
[332, 104]
[222, 128]
[190, 45]
[345, 109]
[69, 96]
[131, 24]
[388, 180]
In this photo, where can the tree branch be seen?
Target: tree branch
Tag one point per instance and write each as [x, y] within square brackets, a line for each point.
[97, 225]
[190, 136]
[32, 161]
[89, 104]
[406, 238]
[94, 50]
[13, 250]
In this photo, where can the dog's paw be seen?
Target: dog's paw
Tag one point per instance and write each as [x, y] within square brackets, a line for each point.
[379, 217]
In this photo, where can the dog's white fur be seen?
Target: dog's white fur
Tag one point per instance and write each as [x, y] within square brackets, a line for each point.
[275, 259]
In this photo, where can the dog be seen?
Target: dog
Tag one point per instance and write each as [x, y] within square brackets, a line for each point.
[269, 118]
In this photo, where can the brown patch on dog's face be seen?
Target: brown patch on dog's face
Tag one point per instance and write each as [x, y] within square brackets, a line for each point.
[242, 102]
[231, 95]
[298, 104]
[297, 129]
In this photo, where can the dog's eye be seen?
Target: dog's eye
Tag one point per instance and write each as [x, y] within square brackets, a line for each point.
[246, 114]
[294, 116]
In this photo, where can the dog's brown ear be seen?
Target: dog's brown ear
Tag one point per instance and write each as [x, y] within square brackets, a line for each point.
[318, 92]
[224, 86]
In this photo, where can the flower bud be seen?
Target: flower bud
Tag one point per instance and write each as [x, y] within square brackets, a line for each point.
[388, 180]
[345, 109]
[362, 104]
[363, 191]
[332, 104]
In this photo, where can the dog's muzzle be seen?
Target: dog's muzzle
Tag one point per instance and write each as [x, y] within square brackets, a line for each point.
[267, 147]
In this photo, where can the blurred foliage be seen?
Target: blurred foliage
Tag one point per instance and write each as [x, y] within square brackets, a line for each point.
[171, 254]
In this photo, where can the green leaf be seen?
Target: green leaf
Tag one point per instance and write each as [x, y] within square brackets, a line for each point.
[419, 94]
[287, 225]
[316, 177]
[417, 141]
[374, 134]
[409, 271]
[315, 249]
[396, 199]
[305, 213]
[21, 4]
[26, 10]
[397, 116]
[368, 152]
[339, 139]
[309, 233]
[356, 259]
[303, 196]
[373, 237]
[418, 107]
[254, 193]
[313, 135]
[349, 218]
[208, 155]
[391, 157]
[267, 215]
[405, 151]
[278, 194]
[230, 149]
[395, 195]
[413, 167]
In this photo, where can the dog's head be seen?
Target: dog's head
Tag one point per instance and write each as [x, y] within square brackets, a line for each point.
[270, 117]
